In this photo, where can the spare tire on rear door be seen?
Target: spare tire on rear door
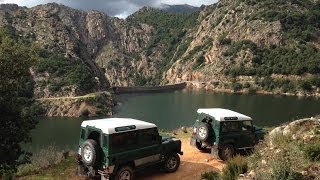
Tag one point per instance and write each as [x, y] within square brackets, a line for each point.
[90, 152]
[203, 131]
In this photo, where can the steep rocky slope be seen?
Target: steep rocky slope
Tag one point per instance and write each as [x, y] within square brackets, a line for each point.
[247, 44]
[83, 37]
[241, 45]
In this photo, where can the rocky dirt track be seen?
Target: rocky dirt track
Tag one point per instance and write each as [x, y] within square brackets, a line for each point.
[193, 164]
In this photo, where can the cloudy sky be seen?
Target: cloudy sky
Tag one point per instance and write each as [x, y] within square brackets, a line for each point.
[119, 8]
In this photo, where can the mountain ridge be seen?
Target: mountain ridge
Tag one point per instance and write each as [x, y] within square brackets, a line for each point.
[230, 45]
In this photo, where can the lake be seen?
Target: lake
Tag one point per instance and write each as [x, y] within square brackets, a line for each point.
[171, 110]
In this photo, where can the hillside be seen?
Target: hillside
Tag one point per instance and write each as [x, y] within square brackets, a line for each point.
[259, 45]
[243, 45]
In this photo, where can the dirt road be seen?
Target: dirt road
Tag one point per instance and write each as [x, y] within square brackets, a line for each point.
[193, 164]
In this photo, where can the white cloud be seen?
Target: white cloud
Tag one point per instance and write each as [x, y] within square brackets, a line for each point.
[190, 2]
[122, 15]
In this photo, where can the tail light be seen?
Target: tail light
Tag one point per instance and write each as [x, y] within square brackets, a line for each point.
[106, 169]
[78, 157]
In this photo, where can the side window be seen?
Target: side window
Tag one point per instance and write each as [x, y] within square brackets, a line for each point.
[231, 126]
[82, 134]
[105, 140]
[246, 126]
[124, 140]
[95, 135]
[149, 136]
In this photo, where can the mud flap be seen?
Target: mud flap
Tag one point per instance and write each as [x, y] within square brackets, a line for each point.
[193, 142]
[214, 151]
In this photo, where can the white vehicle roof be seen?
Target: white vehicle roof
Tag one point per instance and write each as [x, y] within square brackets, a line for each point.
[109, 125]
[224, 114]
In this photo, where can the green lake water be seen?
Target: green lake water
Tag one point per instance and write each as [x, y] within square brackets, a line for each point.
[171, 110]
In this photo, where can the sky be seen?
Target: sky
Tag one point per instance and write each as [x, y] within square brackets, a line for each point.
[118, 8]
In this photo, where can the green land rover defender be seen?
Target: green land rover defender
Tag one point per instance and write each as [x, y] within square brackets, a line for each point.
[224, 131]
[115, 147]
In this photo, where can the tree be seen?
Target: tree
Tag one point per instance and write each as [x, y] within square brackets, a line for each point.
[16, 119]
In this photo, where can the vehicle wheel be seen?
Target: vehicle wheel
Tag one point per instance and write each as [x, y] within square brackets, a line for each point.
[172, 163]
[199, 146]
[203, 131]
[124, 173]
[226, 152]
[90, 152]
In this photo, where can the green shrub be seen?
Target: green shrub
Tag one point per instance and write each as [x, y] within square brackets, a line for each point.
[211, 175]
[223, 40]
[246, 85]
[238, 46]
[305, 85]
[46, 157]
[236, 86]
[85, 113]
[282, 167]
[234, 167]
[252, 90]
[312, 152]
[65, 72]
[200, 60]
[26, 169]
[280, 140]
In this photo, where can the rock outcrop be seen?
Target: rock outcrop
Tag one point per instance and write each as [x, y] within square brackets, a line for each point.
[87, 106]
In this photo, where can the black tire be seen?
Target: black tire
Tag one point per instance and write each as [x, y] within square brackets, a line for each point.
[226, 152]
[124, 173]
[203, 131]
[199, 146]
[81, 170]
[171, 163]
[90, 152]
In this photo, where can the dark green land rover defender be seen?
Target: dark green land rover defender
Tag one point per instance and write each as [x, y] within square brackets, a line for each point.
[224, 131]
[115, 147]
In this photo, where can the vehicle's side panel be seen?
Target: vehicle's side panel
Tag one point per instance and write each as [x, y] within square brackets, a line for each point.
[105, 149]
[171, 145]
[150, 146]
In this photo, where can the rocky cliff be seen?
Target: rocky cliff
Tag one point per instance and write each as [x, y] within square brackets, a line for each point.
[235, 40]
[241, 45]
[88, 38]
